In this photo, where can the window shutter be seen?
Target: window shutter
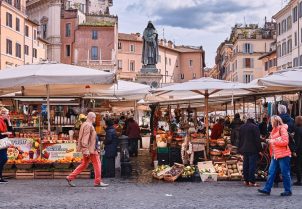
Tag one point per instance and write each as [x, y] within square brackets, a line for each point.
[252, 62]
[244, 79]
[244, 49]
[252, 50]
[252, 77]
[243, 63]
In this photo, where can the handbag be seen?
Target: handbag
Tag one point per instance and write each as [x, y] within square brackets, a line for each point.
[5, 143]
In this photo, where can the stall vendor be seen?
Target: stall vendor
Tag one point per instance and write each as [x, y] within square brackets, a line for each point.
[217, 129]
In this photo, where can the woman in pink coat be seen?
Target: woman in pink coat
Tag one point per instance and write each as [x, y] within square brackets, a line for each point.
[281, 155]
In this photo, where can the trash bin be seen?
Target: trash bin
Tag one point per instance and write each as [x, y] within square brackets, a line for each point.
[126, 168]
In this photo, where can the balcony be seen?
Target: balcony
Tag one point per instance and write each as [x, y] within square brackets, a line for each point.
[97, 64]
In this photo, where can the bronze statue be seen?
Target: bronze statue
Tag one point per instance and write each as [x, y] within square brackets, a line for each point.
[150, 47]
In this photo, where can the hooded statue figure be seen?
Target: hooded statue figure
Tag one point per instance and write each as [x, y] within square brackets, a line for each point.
[150, 47]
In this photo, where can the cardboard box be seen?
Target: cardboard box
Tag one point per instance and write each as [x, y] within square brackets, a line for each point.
[210, 176]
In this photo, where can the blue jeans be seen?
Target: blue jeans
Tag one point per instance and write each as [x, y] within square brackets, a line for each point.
[3, 160]
[249, 166]
[284, 164]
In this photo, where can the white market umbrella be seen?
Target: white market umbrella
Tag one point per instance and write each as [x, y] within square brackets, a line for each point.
[53, 79]
[207, 87]
[284, 79]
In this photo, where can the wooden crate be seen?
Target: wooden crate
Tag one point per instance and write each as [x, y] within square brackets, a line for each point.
[9, 174]
[43, 174]
[25, 174]
[84, 175]
[61, 174]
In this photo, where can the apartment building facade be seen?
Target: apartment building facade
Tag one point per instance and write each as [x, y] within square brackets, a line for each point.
[269, 60]
[92, 43]
[19, 41]
[248, 44]
[289, 35]
[175, 64]
[64, 23]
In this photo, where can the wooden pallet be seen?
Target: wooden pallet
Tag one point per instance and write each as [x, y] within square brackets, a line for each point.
[9, 174]
[42, 174]
[25, 174]
[61, 174]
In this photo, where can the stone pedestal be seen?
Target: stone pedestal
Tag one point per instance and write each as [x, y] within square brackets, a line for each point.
[151, 79]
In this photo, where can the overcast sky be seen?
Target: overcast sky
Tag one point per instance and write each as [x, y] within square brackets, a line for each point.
[193, 22]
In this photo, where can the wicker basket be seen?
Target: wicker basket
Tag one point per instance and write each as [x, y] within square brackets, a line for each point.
[170, 178]
[157, 177]
[24, 166]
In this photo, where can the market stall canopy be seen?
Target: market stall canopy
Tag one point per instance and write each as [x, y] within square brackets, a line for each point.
[282, 80]
[124, 90]
[62, 79]
[206, 86]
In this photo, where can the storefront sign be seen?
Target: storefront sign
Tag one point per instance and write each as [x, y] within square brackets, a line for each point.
[59, 151]
[23, 149]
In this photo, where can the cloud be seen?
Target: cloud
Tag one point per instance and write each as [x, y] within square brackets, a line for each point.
[193, 22]
[192, 14]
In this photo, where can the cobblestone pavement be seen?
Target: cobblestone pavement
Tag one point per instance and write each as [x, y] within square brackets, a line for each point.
[140, 192]
[124, 194]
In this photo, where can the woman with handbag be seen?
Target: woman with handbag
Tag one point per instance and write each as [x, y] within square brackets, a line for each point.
[5, 127]
[281, 155]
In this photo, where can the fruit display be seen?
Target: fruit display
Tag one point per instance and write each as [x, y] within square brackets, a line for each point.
[233, 169]
[221, 169]
[188, 171]
[160, 171]
[215, 152]
[204, 171]
[221, 142]
[174, 172]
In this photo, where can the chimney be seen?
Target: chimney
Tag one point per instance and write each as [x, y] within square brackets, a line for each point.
[170, 44]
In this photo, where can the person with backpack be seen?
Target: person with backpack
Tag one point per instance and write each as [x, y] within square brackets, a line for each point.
[281, 155]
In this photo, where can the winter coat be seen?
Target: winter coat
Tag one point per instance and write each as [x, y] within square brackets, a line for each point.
[249, 139]
[4, 127]
[263, 129]
[87, 139]
[298, 139]
[133, 131]
[217, 131]
[235, 126]
[289, 122]
[279, 142]
[111, 142]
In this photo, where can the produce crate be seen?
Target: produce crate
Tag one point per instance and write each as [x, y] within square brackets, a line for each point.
[25, 174]
[42, 174]
[207, 171]
[235, 166]
[162, 150]
[9, 174]
[61, 174]
[62, 165]
[84, 175]
[8, 166]
[221, 178]
[169, 177]
[24, 166]
[43, 165]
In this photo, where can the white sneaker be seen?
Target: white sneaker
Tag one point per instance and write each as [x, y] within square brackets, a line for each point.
[102, 185]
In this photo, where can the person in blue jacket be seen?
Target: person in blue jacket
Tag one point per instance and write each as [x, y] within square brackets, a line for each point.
[111, 143]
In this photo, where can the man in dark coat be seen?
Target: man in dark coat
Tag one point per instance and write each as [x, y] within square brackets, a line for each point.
[298, 154]
[263, 127]
[235, 126]
[250, 147]
[111, 142]
[133, 132]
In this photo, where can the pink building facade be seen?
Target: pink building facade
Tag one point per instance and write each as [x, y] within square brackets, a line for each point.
[176, 63]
